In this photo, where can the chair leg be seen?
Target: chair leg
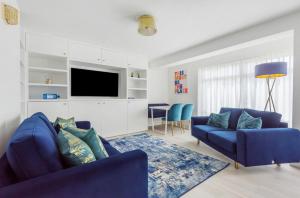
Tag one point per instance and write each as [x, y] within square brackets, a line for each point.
[236, 165]
[172, 127]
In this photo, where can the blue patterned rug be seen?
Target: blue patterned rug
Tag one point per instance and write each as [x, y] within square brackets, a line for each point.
[173, 170]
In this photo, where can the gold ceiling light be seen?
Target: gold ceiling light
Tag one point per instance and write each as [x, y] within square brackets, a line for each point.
[147, 25]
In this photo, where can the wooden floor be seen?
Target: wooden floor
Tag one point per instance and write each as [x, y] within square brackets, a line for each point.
[257, 182]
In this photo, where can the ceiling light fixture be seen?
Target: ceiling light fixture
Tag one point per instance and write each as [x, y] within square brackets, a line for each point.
[147, 25]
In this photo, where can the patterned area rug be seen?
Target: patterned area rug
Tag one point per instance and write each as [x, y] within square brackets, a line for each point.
[173, 170]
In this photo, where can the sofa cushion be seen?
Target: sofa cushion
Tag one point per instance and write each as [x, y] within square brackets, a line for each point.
[61, 123]
[74, 150]
[219, 120]
[201, 130]
[224, 139]
[111, 150]
[90, 137]
[7, 175]
[234, 116]
[47, 122]
[246, 121]
[269, 119]
[32, 150]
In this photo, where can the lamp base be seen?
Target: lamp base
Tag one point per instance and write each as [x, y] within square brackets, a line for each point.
[270, 102]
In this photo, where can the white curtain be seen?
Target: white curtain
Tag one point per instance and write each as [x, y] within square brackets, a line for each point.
[234, 85]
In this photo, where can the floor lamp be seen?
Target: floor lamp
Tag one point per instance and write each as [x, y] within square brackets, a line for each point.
[271, 71]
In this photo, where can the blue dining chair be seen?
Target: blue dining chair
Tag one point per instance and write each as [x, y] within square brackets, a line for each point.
[187, 112]
[174, 115]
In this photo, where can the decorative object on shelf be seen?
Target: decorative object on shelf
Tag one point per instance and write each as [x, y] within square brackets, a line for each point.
[10, 14]
[181, 82]
[271, 71]
[50, 96]
[49, 81]
[138, 74]
[132, 74]
[147, 25]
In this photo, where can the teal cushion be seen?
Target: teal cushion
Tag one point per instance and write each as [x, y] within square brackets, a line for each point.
[219, 120]
[91, 138]
[74, 150]
[63, 123]
[246, 121]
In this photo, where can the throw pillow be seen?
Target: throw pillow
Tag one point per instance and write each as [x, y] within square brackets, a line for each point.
[75, 151]
[91, 138]
[62, 123]
[246, 121]
[219, 120]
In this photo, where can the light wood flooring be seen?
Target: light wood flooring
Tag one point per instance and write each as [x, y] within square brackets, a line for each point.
[254, 182]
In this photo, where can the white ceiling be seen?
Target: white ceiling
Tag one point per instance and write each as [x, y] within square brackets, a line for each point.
[181, 24]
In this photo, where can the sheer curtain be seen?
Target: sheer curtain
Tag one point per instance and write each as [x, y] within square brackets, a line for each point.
[234, 85]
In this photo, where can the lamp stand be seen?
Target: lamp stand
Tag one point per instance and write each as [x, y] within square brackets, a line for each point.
[270, 101]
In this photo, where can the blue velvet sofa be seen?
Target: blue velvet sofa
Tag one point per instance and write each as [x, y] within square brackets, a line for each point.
[157, 113]
[32, 167]
[274, 143]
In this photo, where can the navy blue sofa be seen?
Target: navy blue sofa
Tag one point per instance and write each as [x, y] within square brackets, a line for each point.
[32, 167]
[274, 143]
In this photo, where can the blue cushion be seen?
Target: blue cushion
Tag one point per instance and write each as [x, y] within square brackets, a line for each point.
[7, 175]
[200, 131]
[246, 121]
[269, 119]
[234, 116]
[111, 150]
[224, 139]
[219, 120]
[47, 122]
[32, 151]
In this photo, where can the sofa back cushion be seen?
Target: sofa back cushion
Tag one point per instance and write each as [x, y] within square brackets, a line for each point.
[269, 119]
[32, 150]
[47, 122]
[7, 175]
[234, 116]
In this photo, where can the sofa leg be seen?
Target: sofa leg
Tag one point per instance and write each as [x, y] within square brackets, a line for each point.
[198, 142]
[278, 165]
[236, 165]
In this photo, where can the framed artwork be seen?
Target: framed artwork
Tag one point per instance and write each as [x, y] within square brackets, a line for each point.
[181, 82]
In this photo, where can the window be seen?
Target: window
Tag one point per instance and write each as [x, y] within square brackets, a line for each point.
[234, 85]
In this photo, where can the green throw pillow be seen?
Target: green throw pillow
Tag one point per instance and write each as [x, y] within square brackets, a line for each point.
[91, 138]
[63, 123]
[246, 121]
[74, 150]
[219, 120]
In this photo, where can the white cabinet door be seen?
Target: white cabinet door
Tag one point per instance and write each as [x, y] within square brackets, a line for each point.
[137, 115]
[87, 111]
[51, 109]
[137, 62]
[47, 44]
[112, 58]
[85, 52]
[114, 118]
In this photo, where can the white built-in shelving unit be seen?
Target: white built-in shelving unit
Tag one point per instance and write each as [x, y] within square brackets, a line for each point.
[45, 68]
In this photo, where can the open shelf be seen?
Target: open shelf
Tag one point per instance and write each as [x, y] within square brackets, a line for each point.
[134, 78]
[137, 89]
[48, 85]
[48, 70]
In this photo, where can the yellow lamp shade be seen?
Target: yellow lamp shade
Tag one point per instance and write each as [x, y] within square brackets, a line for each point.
[147, 25]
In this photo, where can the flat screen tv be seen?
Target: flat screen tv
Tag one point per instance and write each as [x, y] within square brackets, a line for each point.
[94, 83]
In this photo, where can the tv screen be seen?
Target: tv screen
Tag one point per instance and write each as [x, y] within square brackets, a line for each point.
[94, 83]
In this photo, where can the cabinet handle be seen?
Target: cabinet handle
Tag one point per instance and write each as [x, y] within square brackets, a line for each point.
[103, 60]
[65, 53]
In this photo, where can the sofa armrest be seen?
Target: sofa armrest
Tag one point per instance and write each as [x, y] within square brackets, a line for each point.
[123, 175]
[267, 146]
[199, 120]
[83, 124]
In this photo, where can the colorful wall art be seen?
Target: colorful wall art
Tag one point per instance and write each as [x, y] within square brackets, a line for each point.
[181, 82]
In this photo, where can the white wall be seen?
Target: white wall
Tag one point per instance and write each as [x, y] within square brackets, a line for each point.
[285, 23]
[9, 78]
[158, 85]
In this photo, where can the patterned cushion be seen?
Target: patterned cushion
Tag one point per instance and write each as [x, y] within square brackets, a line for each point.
[74, 150]
[62, 123]
[219, 120]
[91, 138]
[246, 121]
